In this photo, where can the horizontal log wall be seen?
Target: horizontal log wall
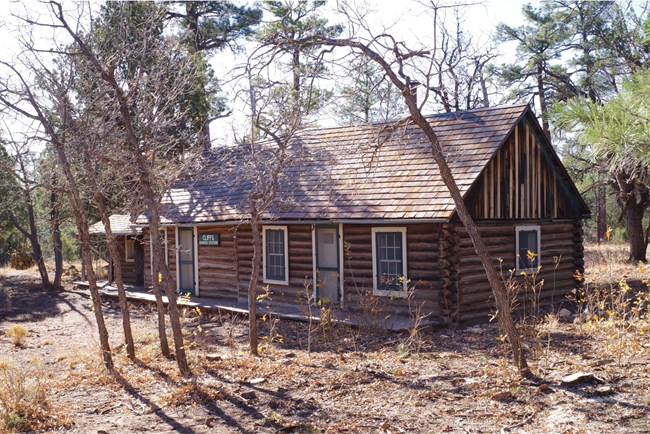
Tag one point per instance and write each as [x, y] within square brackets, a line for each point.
[423, 269]
[521, 182]
[225, 271]
[218, 264]
[448, 262]
[300, 264]
[560, 253]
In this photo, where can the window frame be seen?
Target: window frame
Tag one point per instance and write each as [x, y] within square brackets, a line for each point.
[528, 228]
[381, 292]
[129, 240]
[285, 230]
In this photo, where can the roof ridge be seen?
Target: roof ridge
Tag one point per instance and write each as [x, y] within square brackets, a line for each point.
[427, 116]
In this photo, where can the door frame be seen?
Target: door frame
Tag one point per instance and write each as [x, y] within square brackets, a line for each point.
[195, 257]
[314, 243]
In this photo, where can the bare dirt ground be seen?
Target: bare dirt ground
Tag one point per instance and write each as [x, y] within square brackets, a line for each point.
[351, 382]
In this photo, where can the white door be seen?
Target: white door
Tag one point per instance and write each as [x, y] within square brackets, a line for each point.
[186, 260]
[327, 264]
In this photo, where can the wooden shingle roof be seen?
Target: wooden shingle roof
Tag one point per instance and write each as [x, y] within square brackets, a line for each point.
[360, 173]
[120, 225]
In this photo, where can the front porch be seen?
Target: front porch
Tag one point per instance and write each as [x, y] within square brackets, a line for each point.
[294, 312]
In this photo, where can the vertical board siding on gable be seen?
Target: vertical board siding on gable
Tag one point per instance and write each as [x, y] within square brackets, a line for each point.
[562, 240]
[520, 182]
[422, 261]
[300, 264]
[217, 264]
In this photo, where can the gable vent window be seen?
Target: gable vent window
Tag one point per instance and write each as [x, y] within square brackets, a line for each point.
[528, 247]
[276, 259]
[389, 261]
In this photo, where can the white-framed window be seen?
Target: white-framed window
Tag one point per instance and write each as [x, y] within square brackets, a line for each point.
[275, 241]
[129, 253]
[528, 245]
[389, 261]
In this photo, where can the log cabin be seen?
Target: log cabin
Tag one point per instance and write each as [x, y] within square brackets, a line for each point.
[130, 245]
[366, 216]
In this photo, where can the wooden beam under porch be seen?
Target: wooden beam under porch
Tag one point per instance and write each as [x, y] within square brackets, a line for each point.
[294, 312]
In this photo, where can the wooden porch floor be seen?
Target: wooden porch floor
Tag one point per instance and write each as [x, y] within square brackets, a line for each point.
[388, 321]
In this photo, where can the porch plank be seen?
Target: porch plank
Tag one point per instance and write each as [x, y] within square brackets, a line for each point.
[394, 322]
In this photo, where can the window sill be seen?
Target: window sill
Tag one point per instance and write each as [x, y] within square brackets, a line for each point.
[527, 271]
[391, 294]
[276, 282]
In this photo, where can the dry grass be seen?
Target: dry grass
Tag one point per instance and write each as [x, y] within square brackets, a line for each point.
[609, 262]
[23, 398]
[439, 380]
[7, 272]
[613, 306]
[17, 333]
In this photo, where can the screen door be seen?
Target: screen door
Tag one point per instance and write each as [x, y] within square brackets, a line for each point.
[186, 260]
[327, 264]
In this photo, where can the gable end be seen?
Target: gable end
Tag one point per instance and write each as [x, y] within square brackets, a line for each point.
[525, 179]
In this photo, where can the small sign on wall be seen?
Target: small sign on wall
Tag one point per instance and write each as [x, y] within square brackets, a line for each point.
[209, 240]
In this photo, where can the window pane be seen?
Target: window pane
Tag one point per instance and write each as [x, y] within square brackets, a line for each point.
[275, 251]
[528, 242]
[389, 261]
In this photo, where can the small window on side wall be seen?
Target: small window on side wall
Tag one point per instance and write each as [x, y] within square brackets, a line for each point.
[528, 247]
[389, 261]
[276, 258]
[129, 254]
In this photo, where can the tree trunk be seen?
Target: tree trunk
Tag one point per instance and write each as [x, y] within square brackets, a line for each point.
[160, 305]
[119, 282]
[56, 239]
[252, 284]
[172, 307]
[32, 236]
[504, 314]
[295, 70]
[541, 94]
[635, 235]
[633, 198]
[95, 296]
[601, 201]
[36, 245]
[84, 244]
